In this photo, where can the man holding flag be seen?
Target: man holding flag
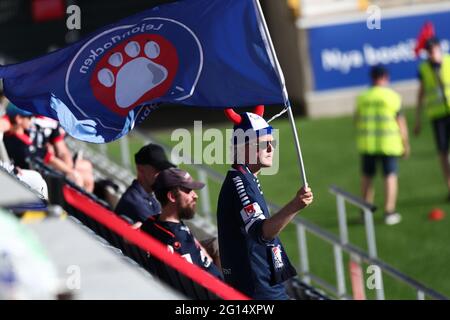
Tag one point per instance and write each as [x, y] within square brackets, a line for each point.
[252, 257]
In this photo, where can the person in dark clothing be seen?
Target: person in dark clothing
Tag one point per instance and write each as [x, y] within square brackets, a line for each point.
[138, 202]
[174, 188]
[22, 150]
[252, 257]
[47, 133]
[17, 141]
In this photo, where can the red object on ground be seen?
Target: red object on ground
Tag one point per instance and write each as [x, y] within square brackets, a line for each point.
[436, 214]
[48, 10]
[426, 33]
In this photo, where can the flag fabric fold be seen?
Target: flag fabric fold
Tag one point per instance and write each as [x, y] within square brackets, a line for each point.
[204, 53]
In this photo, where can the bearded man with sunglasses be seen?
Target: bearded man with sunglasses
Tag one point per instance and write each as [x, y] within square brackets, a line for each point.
[175, 190]
[252, 257]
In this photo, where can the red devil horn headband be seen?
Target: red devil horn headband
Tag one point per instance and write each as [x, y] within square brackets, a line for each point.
[237, 119]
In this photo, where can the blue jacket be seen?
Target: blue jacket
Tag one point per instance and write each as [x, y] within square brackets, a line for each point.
[179, 239]
[250, 264]
[137, 204]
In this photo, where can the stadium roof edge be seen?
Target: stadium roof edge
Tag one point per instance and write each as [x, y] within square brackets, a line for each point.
[403, 11]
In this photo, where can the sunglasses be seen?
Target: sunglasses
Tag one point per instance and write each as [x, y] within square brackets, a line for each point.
[263, 145]
[185, 190]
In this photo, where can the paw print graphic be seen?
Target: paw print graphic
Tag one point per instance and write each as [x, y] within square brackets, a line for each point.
[137, 71]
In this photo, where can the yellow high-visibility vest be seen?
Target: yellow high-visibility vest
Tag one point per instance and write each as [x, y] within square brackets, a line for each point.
[378, 132]
[434, 102]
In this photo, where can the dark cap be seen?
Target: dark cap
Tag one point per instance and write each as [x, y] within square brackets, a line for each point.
[174, 177]
[12, 111]
[377, 72]
[153, 155]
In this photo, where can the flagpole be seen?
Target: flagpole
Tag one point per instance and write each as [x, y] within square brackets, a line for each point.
[269, 45]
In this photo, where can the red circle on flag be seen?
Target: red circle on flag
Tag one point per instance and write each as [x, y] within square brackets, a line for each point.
[138, 70]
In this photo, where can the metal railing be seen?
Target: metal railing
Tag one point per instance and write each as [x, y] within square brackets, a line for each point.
[339, 244]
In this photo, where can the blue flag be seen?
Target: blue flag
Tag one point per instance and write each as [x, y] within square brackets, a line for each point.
[204, 53]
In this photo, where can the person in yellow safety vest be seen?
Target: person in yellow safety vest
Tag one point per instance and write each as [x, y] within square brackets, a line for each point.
[434, 98]
[382, 136]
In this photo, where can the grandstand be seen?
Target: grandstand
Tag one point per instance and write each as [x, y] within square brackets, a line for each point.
[111, 256]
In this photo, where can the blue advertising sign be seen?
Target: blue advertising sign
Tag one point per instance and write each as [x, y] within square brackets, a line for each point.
[342, 54]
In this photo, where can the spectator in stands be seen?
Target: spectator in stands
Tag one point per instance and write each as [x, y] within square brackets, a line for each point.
[253, 258]
[21, 149]
[32, 178]
[382, 136]
[434, 97]
[17, 145]
[17, 141]
[174, 188]
[47, 133]
[139, 202]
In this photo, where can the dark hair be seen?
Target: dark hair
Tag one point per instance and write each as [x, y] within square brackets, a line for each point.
[432, 42]
[378, 72]
[161, 195]
[12, 120]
